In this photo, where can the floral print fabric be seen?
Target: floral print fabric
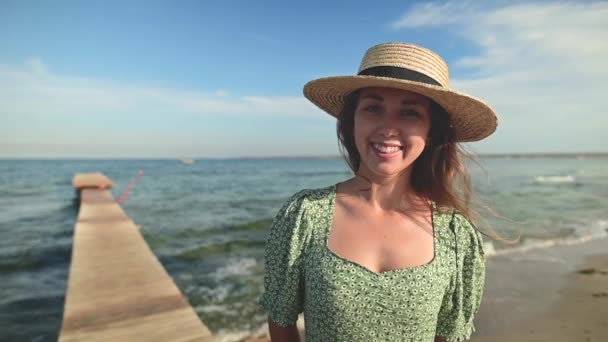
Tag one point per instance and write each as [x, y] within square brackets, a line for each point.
[344, 301]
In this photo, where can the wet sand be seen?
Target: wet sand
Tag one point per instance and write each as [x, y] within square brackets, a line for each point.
[552, 294]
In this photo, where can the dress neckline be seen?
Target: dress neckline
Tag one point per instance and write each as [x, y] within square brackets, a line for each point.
[329, 225]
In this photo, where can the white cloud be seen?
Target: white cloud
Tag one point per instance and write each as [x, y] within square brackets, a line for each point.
[221, 93]
[46, 114]
[541, 65]
[37, 66]
[34, 89]
[432, 14]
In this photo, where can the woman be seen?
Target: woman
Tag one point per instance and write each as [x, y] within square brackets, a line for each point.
[390, 254]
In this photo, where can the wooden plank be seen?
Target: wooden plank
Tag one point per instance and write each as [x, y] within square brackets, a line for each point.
[117, 288]
[91, 180]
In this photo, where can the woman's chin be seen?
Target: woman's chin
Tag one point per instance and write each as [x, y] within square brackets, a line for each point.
[386, 170]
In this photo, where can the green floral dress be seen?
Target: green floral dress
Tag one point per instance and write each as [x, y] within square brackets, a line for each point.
[344, 301]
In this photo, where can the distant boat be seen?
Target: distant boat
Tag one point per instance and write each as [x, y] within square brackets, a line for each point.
[186, 161]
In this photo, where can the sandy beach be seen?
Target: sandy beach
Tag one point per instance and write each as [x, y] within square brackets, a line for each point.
[552, 294]
[549, 294]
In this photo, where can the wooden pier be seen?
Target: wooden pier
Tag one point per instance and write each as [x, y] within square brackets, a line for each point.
[117, 288]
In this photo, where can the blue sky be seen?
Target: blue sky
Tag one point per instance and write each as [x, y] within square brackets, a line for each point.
[160, 79]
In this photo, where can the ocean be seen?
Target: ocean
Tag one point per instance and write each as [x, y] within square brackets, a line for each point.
[207, 222]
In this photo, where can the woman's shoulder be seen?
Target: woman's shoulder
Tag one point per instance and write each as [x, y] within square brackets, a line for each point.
[452, 217]
[466, 233]
[302, 206]
[458, 223]
[312, 196]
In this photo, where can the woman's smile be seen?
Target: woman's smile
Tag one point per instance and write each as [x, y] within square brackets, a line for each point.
[386, 151]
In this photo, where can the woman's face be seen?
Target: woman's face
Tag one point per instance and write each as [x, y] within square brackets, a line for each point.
[391, 129]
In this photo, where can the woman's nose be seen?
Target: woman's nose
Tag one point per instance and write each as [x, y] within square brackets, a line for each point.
[390, 122]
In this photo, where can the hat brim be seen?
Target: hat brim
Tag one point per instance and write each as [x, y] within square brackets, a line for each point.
[472, 119]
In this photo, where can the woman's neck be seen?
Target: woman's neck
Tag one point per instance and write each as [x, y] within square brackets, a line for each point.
[387, 193]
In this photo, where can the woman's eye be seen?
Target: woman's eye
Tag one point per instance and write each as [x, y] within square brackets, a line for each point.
[372, 108]
[410, 113]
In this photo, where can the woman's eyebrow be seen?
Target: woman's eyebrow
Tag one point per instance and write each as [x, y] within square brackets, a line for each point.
[411, 102]
[372, 96]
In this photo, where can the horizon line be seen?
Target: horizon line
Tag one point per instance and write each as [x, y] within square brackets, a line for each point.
[481, 155]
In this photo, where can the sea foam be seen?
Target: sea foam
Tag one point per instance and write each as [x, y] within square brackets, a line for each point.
[555, 179]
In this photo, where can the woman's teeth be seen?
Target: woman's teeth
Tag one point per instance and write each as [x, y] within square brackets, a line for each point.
[386, 149]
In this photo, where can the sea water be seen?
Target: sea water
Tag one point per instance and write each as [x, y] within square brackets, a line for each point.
[208, 221]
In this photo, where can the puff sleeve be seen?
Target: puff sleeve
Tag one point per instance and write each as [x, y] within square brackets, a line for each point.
[463, 296]
[283, 296]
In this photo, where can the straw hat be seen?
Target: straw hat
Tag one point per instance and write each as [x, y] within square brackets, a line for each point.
[413, 68]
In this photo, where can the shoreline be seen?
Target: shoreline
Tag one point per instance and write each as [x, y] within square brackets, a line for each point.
[559, 293]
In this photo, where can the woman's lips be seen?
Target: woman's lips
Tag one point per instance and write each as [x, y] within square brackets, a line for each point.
[386, 151]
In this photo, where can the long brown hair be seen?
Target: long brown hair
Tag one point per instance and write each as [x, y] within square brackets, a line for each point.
[439, 174]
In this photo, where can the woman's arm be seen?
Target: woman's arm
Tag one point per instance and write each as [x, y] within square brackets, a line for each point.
[283, 334]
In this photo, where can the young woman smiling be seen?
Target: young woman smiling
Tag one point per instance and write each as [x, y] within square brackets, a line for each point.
[390, 254]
